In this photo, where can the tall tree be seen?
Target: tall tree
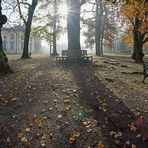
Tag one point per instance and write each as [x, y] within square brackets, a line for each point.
[4, 67]
[135, 13]
[73, 27]
[27, 22]
[51, 29]
[98, 26]
[55, 5]
[101, 27]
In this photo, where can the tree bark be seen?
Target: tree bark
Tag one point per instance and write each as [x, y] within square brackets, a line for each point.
[102, 37]
[55, 29]
[138, 43]
[98, 24]
[73, 25]
[28, 28]
[4, 67]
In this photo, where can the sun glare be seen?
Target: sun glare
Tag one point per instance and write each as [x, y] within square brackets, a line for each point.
[63, 10]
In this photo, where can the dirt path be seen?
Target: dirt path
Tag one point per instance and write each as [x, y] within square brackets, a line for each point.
[45, 104]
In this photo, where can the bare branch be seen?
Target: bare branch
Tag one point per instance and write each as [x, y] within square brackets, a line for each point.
[20, 12]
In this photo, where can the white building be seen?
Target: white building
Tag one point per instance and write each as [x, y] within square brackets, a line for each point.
[13, 41]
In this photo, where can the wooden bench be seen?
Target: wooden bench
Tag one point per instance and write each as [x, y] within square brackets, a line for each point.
[63, 57]
[88, 58]
[74, 55]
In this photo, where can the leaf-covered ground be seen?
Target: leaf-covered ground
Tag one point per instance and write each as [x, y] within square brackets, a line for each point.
[46, 104]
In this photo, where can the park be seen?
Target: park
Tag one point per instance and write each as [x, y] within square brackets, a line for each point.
[79, 97]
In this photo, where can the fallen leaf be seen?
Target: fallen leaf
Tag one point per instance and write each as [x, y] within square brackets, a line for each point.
[51, 136]
[5, 130]
[100, 145]
[117, 142]
[15, 99]
[66, 101]
[8, 140]
[27, 129]
[89, 130]
[67, 107]
[133, 127]
[43, 137]
[59, 116]
[133, 146]
[24, 139]
[50, 108]
[85, 123]
[111, 133]
[77, 134]
[20, 135]
[72, 138]
[66, 123]
[42, 143]
[138, 136]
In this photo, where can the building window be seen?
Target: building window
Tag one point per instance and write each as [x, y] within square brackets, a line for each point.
[5, 45]
[12, 45]
[4, 37]
[22, 37]
[12, 36]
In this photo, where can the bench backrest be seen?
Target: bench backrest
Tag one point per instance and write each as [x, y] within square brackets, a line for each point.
[74, 53]
[84, 53]
[64, 52]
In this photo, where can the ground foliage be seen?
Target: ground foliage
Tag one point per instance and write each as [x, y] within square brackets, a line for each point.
[45, 104]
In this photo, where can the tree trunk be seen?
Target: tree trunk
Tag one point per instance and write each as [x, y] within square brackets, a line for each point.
[98, 24]
[50, 48]
[138, 53]
[28, 29]
[138, 43]
[55, 29]
[102, 36]
[73, 25]
[4, 67]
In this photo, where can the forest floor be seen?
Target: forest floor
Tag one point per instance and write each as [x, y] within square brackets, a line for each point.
[46, 104]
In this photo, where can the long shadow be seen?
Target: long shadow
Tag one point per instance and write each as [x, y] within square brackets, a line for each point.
[15, 115]
[88, 92]
[116, 116]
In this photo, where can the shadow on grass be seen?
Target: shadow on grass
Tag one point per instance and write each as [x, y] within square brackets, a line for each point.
[115, 116]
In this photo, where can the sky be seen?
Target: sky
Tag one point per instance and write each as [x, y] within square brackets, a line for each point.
[62, 11]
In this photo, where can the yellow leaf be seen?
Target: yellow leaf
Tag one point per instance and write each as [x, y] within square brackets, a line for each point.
[67, 107]
[5, 130]
[20, 135]
[27, 129]
[67, 101]
[24, 139]
[43, 137]
[133, 127]
[133, 146]
[117, 142]
[111, 133]
[100, 145]
[72, 138]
